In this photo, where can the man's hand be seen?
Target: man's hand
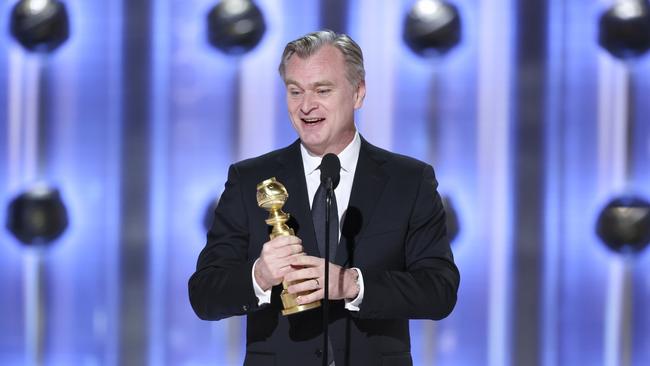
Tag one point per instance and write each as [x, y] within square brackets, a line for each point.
[310, 275]
[276, 259]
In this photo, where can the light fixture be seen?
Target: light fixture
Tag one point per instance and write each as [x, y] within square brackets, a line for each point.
[40, 25]
[624, 224]
[235, 26]
[432, 27]
[38, 216]
[624, 29]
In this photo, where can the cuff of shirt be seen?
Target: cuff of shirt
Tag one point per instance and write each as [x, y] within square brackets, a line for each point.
[263, 297]
[353, 305]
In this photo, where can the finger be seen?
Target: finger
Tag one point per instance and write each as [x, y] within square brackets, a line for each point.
[282, 272]
[308, 260]
[311, 297]
[306, 285]
[282, 261]
[270, 252]
[278, 267]
[303, 274]
[281, 241]
[285, 252]
[290, 249]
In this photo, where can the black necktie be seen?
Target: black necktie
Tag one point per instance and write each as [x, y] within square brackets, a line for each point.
[318, 215]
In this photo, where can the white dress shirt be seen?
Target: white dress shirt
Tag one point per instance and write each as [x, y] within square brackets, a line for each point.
[348, 157]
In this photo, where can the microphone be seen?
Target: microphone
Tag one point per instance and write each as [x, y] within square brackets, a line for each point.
[330, 168]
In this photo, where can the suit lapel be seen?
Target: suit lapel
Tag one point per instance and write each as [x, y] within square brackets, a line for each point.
[369, 183]
[291, 174]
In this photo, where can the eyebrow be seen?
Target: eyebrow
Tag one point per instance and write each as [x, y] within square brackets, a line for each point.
[315, 85]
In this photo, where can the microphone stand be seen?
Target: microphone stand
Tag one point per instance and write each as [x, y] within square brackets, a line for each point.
[328, 207]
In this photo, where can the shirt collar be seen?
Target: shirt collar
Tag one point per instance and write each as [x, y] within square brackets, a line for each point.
[348, 156]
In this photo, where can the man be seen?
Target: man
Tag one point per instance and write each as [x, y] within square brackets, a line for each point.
[392, 263]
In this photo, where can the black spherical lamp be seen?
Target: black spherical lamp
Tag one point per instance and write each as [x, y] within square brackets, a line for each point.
[40, 25]
[235, 26]
[432, 27]
[38, 216]
[624, 29]
[624, 224]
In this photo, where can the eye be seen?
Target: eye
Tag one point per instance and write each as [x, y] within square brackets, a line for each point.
[323, 91]
[294, 92]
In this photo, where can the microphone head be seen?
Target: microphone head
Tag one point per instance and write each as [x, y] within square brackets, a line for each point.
[330, 167]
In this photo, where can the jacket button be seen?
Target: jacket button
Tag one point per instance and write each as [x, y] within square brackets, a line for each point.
[244, 307]
[319, 353]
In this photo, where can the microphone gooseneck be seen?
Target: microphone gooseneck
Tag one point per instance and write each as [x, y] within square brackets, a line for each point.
[330, 174]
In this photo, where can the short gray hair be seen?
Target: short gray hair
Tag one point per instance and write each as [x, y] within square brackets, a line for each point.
[308, 44]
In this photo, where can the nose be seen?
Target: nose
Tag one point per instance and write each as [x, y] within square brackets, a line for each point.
[308, 104]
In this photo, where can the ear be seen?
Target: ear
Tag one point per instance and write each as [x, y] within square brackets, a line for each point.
[360, 94]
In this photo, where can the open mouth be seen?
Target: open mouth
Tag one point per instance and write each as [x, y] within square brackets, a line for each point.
[312, 121]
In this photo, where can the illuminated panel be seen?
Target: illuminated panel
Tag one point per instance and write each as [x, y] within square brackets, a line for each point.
[200, 98]
[641, 334]
[377, 30]
[158, 202]
[553, 182]
[298, 18]
[79, 112]
[192, 109]
[79, 274]
[586, 147]
[12, 332]
[85, 122]
[433, 116]
[496, 52]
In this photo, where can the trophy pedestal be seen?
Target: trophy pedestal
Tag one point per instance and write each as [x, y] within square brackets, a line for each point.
[291, 306]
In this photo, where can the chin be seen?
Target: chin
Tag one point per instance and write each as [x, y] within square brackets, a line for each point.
[313, 147]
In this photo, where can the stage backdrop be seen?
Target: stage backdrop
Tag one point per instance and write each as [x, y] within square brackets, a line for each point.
[525, 120]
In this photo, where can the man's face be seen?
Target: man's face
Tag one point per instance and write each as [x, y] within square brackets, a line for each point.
[321, 100]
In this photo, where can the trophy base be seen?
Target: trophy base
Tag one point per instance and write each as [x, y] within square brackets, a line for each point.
[299, 308]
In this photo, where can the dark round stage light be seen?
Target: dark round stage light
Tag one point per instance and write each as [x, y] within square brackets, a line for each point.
[432, 27]
[37, 216]
[235, 26]
[40, 25]
[624, 224]
[452, 218]
[208, 216]
[624, 29]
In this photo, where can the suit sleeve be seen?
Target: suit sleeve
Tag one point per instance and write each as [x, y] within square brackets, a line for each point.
[222, 284]
[427, 287]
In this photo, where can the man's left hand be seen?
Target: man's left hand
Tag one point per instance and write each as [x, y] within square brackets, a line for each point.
[310, 276]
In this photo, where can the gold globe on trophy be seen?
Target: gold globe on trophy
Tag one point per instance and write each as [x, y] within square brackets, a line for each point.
[271, 196]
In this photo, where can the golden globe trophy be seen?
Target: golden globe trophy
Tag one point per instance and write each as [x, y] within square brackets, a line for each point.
[271, 196]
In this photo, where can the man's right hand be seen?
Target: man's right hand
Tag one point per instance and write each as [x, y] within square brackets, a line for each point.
[275, 260]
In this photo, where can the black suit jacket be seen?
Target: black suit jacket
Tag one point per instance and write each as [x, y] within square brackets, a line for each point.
[393, 231]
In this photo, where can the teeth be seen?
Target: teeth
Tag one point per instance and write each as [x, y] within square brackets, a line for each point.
[311, 120]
